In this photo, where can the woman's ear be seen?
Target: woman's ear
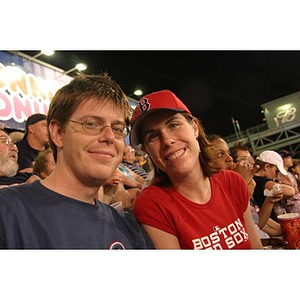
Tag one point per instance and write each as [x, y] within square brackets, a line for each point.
[195, 128]
[56, 133]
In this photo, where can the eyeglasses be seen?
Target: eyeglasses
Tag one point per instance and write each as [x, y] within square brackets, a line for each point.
[120, 131]
[7, 141]
[246, 161]
[249, 158]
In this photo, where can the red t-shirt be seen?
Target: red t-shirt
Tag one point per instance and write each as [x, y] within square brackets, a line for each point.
[218, 224]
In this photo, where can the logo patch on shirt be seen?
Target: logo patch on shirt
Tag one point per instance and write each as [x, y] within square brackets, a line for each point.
[117, 246]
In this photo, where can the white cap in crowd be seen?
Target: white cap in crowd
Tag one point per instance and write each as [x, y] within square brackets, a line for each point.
[272, 157]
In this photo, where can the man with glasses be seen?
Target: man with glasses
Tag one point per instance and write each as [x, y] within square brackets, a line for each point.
[244, 163]
[87, 123]
[9, 174]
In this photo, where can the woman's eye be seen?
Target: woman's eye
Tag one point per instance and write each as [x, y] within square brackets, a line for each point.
[151, 137]
[219, 155]
[174, 125]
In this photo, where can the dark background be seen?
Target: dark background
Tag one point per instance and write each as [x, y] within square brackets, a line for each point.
[215, 85]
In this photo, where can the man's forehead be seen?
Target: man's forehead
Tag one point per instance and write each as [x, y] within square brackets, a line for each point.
[3, 134]
[243, 153]
[101, 108]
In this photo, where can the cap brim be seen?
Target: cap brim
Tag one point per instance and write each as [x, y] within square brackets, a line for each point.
[282, 170]
[135, 130]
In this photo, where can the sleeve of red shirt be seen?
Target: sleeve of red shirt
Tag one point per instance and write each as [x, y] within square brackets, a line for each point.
[155, 207]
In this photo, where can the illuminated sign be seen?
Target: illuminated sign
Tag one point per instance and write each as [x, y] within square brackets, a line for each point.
[287, 115]
[26, 88]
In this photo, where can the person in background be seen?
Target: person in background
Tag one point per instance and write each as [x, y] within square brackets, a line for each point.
[191, 204]
[222, 158]
[113, 191]
[291, 205]
[295, 170]
[9, 174]
[87, 122]
[143, 160]
[270, 164]
[244, 163]
[44, 163]
[35, 140]
[130, 162]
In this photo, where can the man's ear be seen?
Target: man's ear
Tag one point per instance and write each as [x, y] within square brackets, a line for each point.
[56, 133]
[30, 128]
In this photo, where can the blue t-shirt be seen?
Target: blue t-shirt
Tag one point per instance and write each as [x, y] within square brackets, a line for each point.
[34, 217]
[26, 154]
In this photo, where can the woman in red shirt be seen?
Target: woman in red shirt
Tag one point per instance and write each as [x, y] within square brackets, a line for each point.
[190, 205]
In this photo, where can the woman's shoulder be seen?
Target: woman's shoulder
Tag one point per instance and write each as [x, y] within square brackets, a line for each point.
[154, 194]
[154, 190]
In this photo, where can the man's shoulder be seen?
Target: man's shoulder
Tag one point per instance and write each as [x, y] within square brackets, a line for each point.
[21, 190]
[20, 177]
[22, 143]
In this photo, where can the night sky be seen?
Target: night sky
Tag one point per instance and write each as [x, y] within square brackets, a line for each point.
[215, 85]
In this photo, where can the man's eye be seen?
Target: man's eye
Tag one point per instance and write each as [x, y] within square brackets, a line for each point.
[118, 128]
[91, 124]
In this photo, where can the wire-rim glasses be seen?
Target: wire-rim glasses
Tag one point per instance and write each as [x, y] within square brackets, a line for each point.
[93, 127]
[7, 141]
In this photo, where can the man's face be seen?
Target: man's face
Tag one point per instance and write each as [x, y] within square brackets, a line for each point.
[91, 158]
[8, 156]
[245, 158]
[40, 131]
[129, 154]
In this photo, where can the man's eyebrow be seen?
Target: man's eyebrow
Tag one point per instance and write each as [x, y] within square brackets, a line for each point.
[102, 119]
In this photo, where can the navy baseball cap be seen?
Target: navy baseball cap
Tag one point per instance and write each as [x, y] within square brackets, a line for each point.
[32, 120]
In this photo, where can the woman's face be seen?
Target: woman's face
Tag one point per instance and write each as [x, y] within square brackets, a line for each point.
[222, 160]
[171, 142]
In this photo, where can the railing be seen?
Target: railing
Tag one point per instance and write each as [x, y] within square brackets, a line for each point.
[261, 138]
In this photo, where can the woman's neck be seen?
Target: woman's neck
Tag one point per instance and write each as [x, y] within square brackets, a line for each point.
[195, 188]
